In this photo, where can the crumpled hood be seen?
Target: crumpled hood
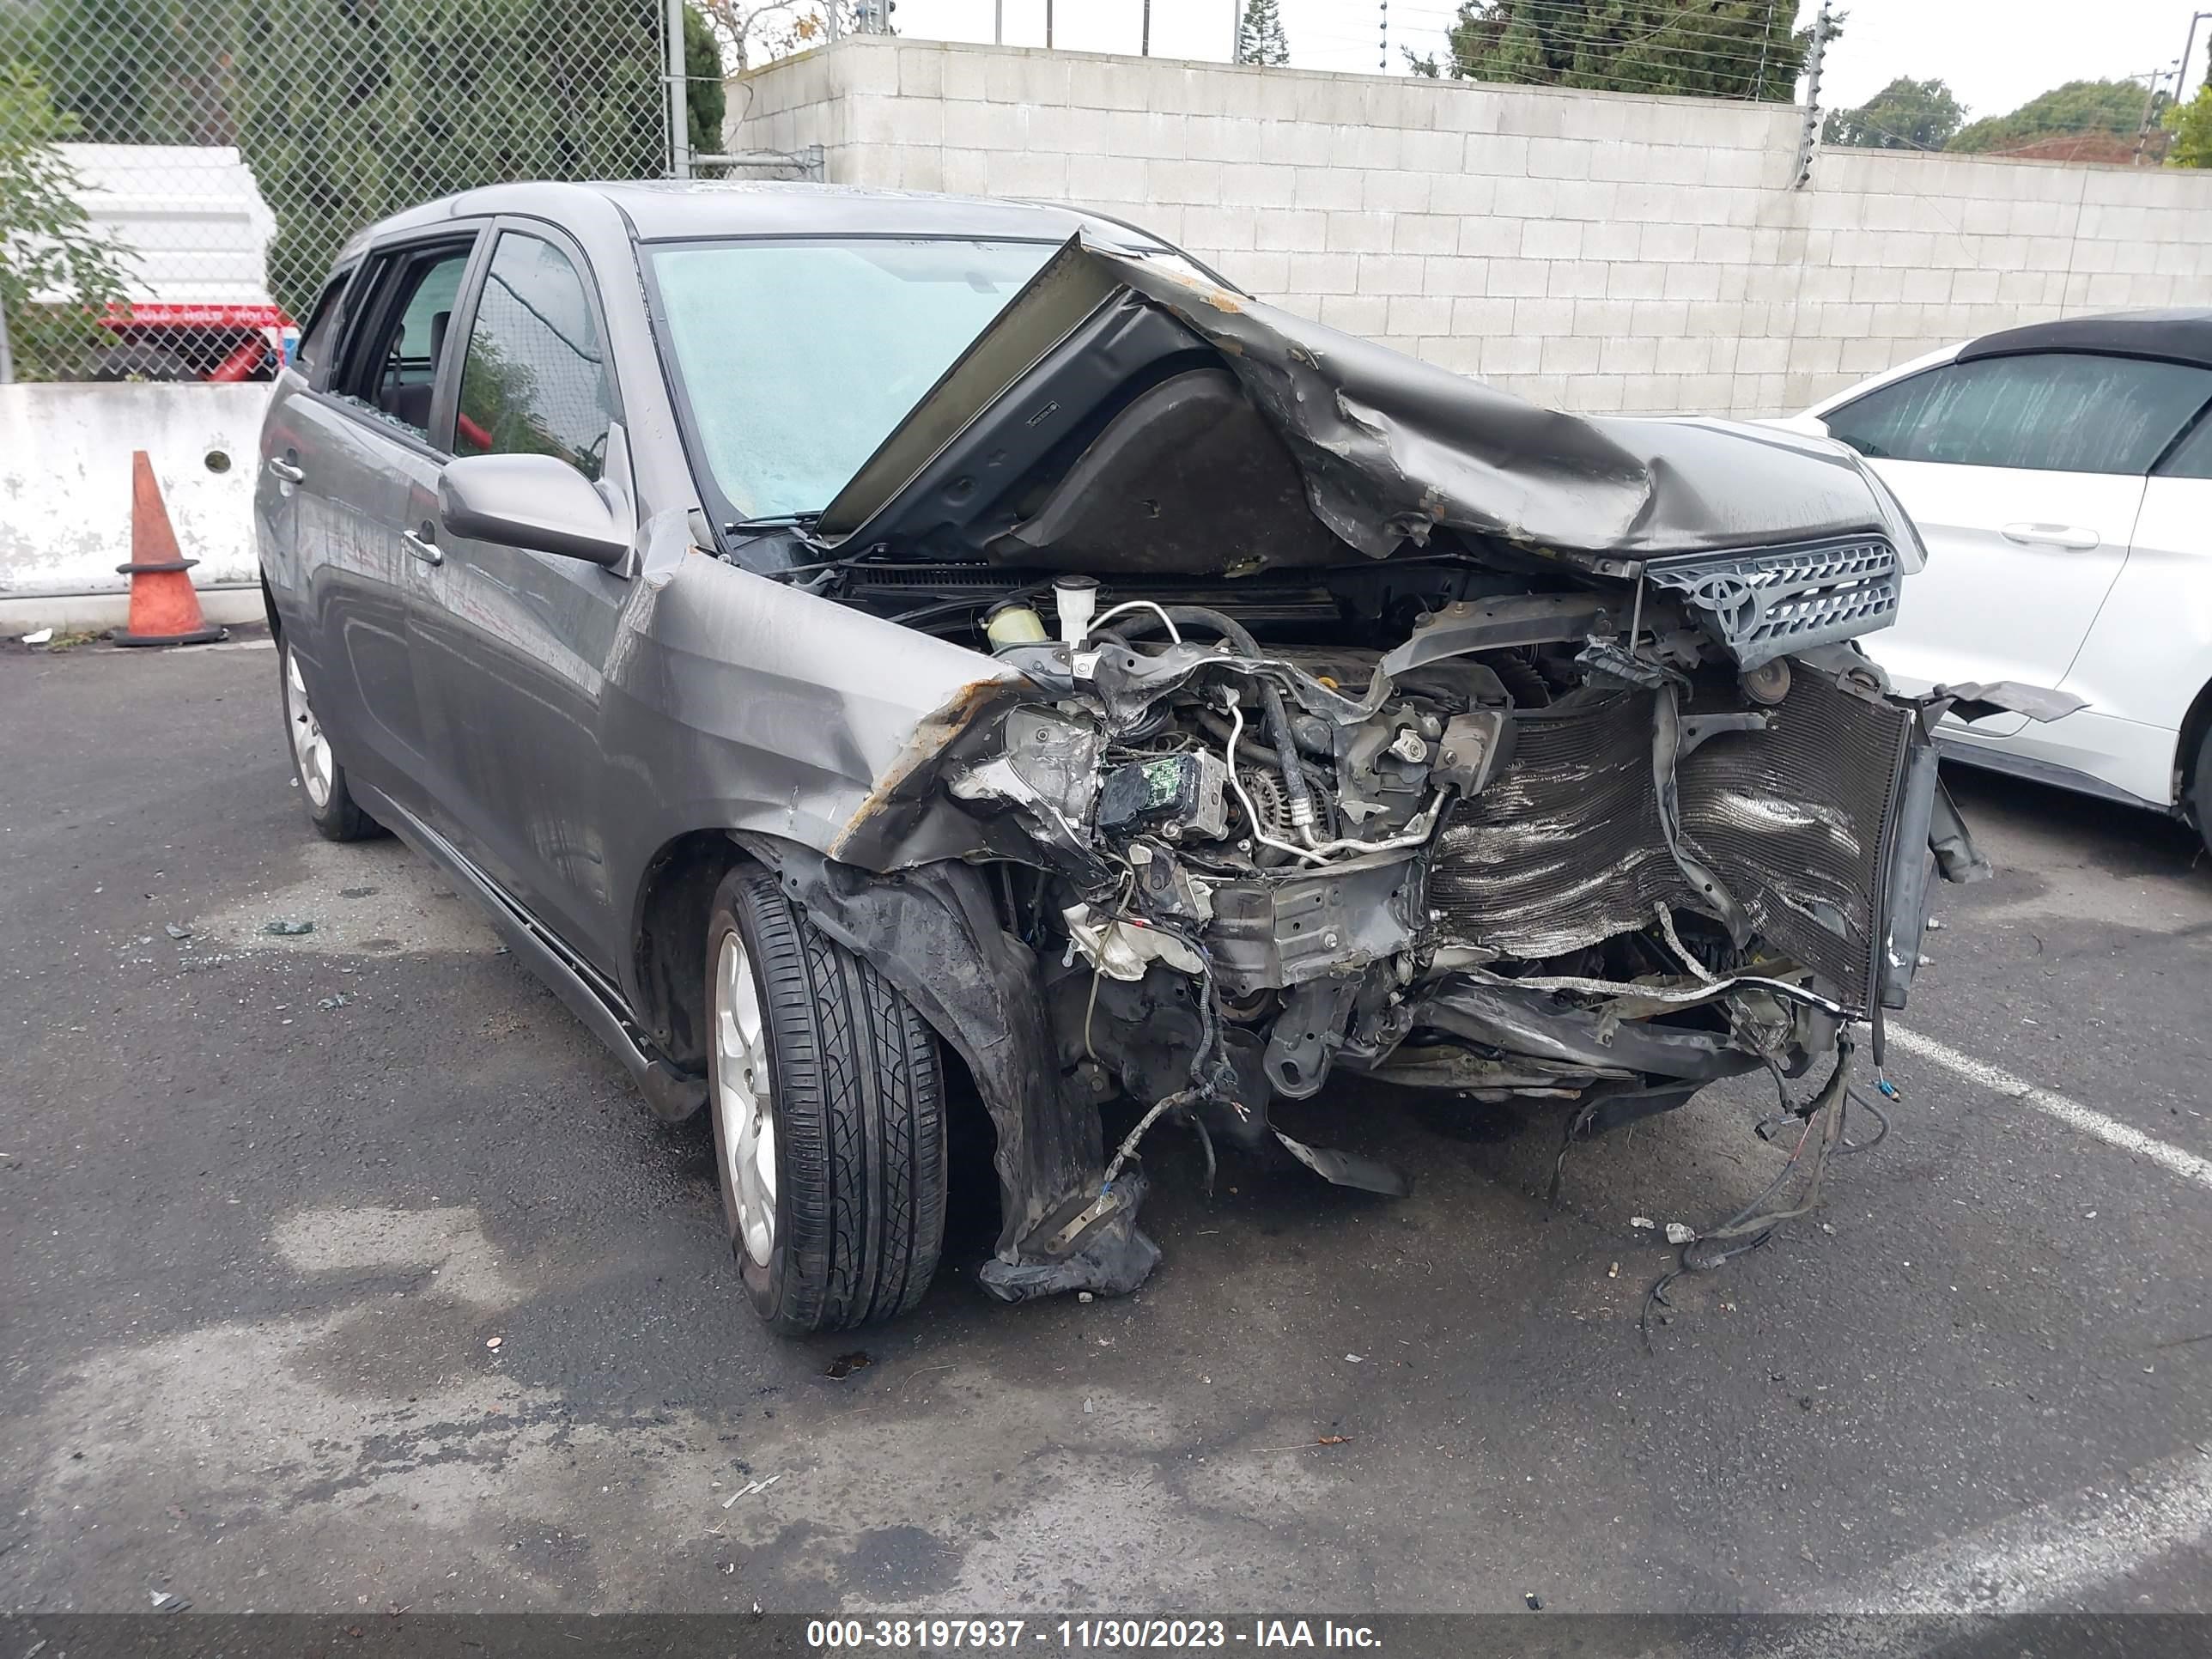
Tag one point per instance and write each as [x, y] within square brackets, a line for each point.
[1383, 447]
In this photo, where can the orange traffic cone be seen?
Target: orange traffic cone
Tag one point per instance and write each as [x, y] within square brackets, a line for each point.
[164, 609]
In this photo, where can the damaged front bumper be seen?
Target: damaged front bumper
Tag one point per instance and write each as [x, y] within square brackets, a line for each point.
[1660, 879]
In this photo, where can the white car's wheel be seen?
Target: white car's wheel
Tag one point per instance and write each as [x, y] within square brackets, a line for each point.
[2199, 801]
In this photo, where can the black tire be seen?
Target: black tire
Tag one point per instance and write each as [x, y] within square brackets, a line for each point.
[2199, 799]
[336, 815]
[856, 1101]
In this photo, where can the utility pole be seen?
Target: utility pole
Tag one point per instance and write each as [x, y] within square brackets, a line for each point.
[998, 22]
[1145, 40]
[2180, 80]
[2150, 104]
[679, 124]
[1808, 136]
[1236, 31]
[2188, 46]
[1047, 25]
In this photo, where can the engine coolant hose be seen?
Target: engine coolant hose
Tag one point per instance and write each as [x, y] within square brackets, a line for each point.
[1295, 787]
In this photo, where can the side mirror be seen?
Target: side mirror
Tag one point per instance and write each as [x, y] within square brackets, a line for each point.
[532, 502]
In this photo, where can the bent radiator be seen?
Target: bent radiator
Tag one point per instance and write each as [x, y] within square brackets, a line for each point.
[1565, 847]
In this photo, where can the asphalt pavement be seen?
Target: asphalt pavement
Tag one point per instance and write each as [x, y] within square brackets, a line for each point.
[344, 1271]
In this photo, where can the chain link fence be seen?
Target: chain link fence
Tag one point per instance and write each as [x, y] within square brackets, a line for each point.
[176, 175]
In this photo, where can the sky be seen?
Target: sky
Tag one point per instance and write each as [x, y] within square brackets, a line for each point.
[1996, 54]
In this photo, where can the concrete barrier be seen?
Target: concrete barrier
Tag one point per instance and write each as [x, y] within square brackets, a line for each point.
[65, 493]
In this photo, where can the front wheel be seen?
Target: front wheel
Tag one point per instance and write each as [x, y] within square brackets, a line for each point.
[827, 1101]
[331, 805]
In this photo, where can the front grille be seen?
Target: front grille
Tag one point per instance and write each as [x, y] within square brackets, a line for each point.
[1763, 605]
[1564, 847]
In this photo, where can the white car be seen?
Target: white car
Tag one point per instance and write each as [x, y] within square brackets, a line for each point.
[2061, 475]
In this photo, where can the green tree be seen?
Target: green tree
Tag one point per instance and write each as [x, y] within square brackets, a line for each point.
[704, 101]
[2190, 124]
[416, 99]
[349, 110]
[131, 71]
[1712, 48]
[1906, 114]
[2110, 109]
[755, 32]
[1260, 37]
[56, 272]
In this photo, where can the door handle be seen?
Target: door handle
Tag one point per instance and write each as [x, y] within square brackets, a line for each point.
[2075, 536]
[425, 551]
[287, 473]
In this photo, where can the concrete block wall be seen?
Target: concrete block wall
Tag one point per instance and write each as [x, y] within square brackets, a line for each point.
[1594, 252]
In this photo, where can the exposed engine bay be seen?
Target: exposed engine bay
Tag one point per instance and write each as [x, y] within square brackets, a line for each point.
[1463, 833]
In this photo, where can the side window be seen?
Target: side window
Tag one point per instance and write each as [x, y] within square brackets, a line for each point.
[2192, 456]
[391, 362]
[535, 380]
[323, 322]
[2048, 412]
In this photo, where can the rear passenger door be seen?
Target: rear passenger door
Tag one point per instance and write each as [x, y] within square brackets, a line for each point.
[2024, 474]
[293, 419]
[367, 442]
[511, 645]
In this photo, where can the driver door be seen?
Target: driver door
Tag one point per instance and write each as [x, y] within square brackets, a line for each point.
[511, 645]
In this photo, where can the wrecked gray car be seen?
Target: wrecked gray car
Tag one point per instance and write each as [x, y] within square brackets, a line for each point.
[866, 650]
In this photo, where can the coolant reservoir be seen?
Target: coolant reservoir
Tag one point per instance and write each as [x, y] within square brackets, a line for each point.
[1012, 623]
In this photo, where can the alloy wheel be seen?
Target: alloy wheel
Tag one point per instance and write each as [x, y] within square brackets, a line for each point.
[310, 748]
[742, 1100]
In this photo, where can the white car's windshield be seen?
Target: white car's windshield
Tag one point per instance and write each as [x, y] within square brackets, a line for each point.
[799, 358]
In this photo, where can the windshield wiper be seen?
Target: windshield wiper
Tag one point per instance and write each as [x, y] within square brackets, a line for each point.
[775, 521]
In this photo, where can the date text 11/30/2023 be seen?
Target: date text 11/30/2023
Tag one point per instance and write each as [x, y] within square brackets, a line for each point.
[1072, 1635]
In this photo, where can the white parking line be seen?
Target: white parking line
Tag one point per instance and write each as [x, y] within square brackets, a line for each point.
[2071, 1113]
[2056, 1554]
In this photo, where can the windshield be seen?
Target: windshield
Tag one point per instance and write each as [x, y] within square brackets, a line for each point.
[799, 358]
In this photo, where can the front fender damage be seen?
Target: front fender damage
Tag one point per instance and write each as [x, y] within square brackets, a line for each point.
[935, 933]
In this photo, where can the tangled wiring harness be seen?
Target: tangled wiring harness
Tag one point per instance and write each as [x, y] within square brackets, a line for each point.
[1821, 1135]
